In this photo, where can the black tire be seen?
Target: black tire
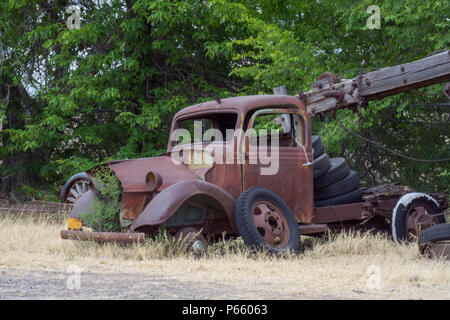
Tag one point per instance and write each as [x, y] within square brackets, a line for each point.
[339, 169]
[405, 204]
[346, 185]
[350, 197]
[318, 146]
[438, 232]
[321, 165]
[244, 217]
[73, 179]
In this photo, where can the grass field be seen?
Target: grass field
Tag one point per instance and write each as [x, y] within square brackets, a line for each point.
[360, 266]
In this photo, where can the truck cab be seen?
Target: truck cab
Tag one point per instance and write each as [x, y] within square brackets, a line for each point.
[262, 141]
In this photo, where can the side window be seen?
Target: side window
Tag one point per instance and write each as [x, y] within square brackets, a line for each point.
[266, 124]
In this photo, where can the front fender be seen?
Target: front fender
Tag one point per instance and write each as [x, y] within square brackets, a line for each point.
[167, 202]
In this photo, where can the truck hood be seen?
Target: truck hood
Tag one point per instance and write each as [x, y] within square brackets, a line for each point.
[132, 173]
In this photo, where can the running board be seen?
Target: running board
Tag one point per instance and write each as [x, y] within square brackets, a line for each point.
[312, 228]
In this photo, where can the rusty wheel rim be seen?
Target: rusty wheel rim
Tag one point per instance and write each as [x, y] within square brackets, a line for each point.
[271, 224]
[418, 218]
[77, 189]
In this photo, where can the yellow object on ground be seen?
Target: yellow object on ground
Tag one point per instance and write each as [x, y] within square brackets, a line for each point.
[75, 224]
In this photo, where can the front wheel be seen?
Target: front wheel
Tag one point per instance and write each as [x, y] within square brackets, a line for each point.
[75, 187]
[264, 220]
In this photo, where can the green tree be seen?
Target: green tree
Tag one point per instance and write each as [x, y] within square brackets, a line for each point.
[110, 88]
[312, 37]
[72, 98]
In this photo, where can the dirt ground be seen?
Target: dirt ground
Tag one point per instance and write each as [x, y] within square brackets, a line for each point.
[31, 284]
[43, 284]
[36, 264]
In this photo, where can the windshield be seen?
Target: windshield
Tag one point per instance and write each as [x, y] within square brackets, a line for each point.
[215, 127]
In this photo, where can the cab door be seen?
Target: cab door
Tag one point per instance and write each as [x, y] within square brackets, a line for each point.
[279, 158]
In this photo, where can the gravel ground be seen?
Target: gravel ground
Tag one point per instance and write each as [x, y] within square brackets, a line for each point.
[36, 284]
[43, 284]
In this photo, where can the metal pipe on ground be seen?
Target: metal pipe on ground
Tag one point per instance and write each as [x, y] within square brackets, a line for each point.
[103, 237]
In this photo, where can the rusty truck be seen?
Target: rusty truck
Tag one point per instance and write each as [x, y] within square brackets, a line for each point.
[308, 194]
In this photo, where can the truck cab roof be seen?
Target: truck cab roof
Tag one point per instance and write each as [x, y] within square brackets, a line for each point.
[241, 104]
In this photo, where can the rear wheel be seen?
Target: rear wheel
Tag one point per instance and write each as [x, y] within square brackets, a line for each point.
[264, 220]
[413, 213]
[440, 232]
[435, 241]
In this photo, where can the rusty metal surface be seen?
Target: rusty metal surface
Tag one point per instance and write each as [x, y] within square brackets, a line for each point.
[133, 203]
[292, 182]
[166, 203]
[102, 237]
[353, 211]
[390, 190]
[271, 224]
[132, 173]
[312, 228]
[419, 217]
[240, 104]
[380, 207]
[367, 209]
[226, 177]
[294, 178]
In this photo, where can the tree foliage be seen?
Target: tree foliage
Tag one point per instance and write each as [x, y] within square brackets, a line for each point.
[72, 98]
[333, 36]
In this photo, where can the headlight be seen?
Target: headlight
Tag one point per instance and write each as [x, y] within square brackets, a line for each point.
[153, 181]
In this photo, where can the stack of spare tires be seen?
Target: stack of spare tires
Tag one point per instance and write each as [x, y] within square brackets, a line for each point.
[334, 182]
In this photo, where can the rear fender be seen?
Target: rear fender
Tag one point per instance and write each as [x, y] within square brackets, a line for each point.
[166, 203]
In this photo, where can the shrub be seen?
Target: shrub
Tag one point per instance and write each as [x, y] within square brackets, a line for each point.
[106, 206]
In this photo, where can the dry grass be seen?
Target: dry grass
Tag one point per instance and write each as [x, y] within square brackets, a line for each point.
[334, 267]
